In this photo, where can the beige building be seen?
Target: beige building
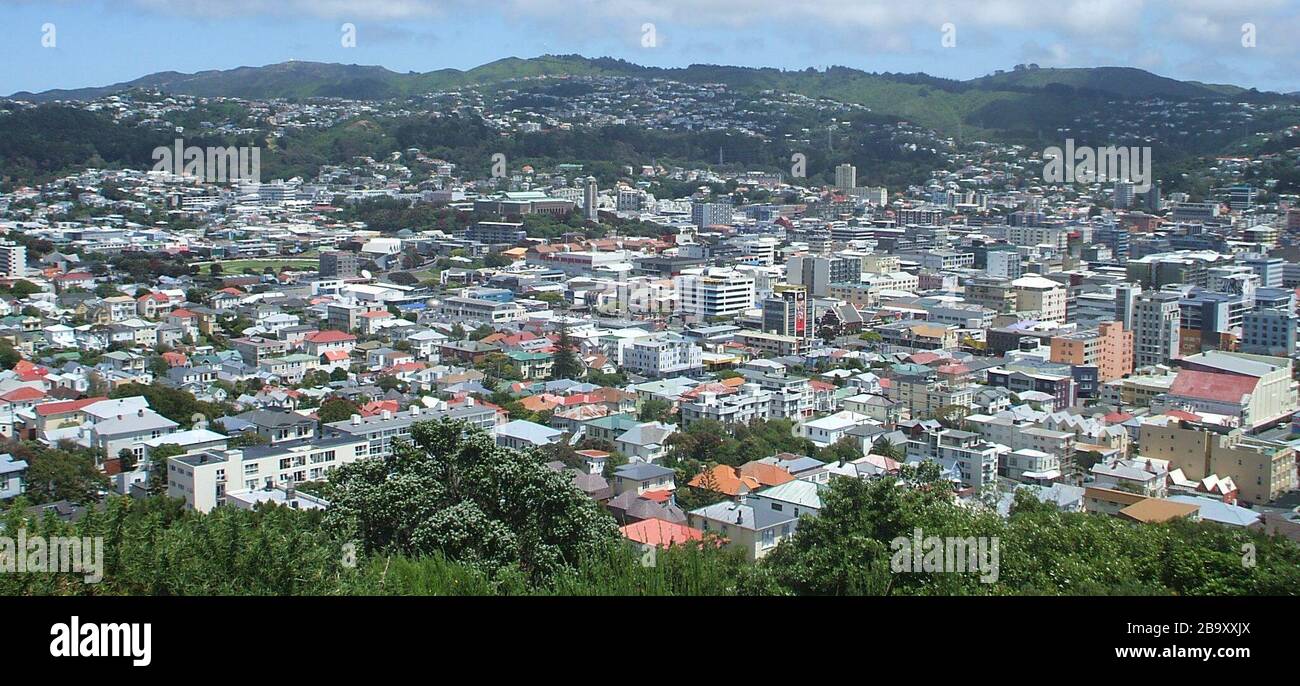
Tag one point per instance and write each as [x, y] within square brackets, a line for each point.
[1263, 470]
[921, 396]
[1136, 391]
[1041, 295]
[993, 293]
[880, 264]
[756, 527]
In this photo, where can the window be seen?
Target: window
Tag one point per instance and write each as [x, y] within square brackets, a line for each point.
[769, 538]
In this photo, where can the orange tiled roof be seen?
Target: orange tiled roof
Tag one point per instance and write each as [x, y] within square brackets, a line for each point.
[725, 480]
[766, 474]
[660, 532]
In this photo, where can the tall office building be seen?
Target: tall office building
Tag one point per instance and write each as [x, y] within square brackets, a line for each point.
[1126, 296]
[1123, 195]
[1241, 197]
[338, 264]
[786, 311]
[705, 214]
[1270, 331]
[1268, 268]
[1156, 322]
[589, 198]
[13, 260]
[816, 273]
[1152, 198]
[846, 177]
[715, 292]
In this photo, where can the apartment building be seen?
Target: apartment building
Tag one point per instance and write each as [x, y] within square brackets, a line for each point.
[1018, 435]
[818, 272]
[974, 459]
[996, 294]
[750, 402]
[477, 309]
[1270, 332]
[663, 355]
[1029, 465]
[1040, 295]
[1109, 348]
[715, 293]
[205, 479]
[1262, 469]
[13, 260]
[921, 396]
[379, 430]
[1061, 387]
[1157, 319]
[772, 343]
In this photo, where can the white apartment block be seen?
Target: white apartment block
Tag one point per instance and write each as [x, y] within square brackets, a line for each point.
[205, 479]
[481, 310]
[750, 403]
[13, 260]
[715, 292]
[662, 356]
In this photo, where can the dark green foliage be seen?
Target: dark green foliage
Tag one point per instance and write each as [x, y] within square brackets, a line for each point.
[460, 495]
[566, 364]
[63, 472]
[154, 547]
[174, 404]
[336, 410]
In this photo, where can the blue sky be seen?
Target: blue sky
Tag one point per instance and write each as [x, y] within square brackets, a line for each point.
[98, 42]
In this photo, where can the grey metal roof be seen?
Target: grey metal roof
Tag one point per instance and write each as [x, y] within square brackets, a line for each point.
[642, 471]
[743, 515]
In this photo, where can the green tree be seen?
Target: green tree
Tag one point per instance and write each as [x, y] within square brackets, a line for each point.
[451, 490]
[57, 474]
[655, 410]
[245, 439]
[884, 446]
[157, 484]
[336, 409]
[23, 288]
[566, 365]
[845, 449]
[9, 357]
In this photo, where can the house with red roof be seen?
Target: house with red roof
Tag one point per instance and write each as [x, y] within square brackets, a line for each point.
[64, 282]
[188, 320]
[369, 323]
[51, 416]
[658, 533]
[335, 359]
[20, 399]
[375, 407]
[153, 305]
[319, 342]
